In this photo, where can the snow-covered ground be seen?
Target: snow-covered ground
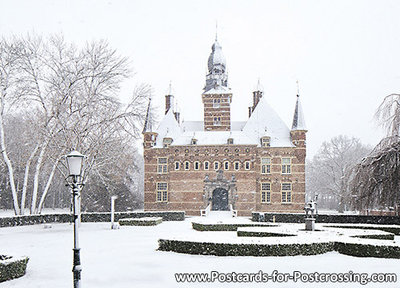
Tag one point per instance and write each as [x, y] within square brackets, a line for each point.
[128, 258]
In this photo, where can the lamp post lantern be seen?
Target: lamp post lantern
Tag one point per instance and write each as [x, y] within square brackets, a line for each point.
[74, 163]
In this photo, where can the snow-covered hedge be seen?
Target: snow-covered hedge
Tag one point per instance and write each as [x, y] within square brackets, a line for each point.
[87, 217]
[262, 249]
[367, 250]
[324, 218]
[146, 221]
[12, 267]
[244, 249]
[387, 228]
[244, 233]
[225, 226]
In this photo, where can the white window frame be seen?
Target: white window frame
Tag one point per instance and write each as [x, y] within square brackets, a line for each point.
[226, 165]
[236, 165]
[162, 168]
[187, 165]
[286, 192]
[265, 193]
[196, 163]
[266, 167]
[286, 167]
[161, 192]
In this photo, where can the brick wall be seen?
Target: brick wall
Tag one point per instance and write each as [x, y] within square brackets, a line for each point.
[186, 187]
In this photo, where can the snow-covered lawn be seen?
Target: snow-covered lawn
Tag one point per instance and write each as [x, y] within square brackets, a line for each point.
[128, 258]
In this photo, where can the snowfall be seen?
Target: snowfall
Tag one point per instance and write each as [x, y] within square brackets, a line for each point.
[128, 257]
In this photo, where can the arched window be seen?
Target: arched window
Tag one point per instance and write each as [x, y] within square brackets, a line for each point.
[226, 165]
[187, 165]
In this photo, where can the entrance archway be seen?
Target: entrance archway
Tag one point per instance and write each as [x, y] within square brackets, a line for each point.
[220, 200]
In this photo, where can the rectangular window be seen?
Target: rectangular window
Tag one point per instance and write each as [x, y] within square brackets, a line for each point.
[206, 165]
[162, 192]
[286, 192]
[187, 165]
[177, 165]
[265, 165]
[247, 165]
[217, 121]
[196, 165]
[286, 166]
[162, 165]
[216, 103]
[266, 192]
[216, 165]
[237, 165]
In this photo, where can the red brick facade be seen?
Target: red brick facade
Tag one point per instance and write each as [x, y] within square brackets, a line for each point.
[186, 187]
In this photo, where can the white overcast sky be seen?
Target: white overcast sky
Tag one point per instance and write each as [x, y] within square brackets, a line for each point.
[345, 54]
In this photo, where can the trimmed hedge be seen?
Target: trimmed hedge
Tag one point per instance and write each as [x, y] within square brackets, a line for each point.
[87, 217]
[367, 250]
[146, 221]
[262, 234]
[376, 236]
[389, 229]
[324, 218]
[225, 227]
[11, 268]
[230, 249]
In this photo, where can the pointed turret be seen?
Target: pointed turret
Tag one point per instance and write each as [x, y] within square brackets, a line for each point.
[148, 122]
[149, 135]
[299, 130]
[298, 117]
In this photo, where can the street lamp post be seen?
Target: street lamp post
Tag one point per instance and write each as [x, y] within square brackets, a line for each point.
[74, 164]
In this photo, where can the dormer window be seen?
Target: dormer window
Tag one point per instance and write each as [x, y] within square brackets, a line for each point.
[217, 121]
[166, 142]
[230, 141]
[266, 141]
[194, 141]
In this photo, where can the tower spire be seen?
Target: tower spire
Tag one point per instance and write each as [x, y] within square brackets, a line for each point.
[298, 117]
[148, 122]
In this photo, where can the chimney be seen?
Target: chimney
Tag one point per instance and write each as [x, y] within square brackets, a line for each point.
[169, 100]
[177, 116]
[257, 95]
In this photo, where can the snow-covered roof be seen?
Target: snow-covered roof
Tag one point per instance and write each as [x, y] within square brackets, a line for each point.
[218, 90]
[298, 118]
[263, 122]
[168, 128]
[216, 57]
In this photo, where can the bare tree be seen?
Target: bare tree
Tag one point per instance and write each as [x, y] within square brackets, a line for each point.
[330, 172]
[71, 96]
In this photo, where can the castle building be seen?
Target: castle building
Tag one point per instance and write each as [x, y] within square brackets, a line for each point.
[255, 165]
